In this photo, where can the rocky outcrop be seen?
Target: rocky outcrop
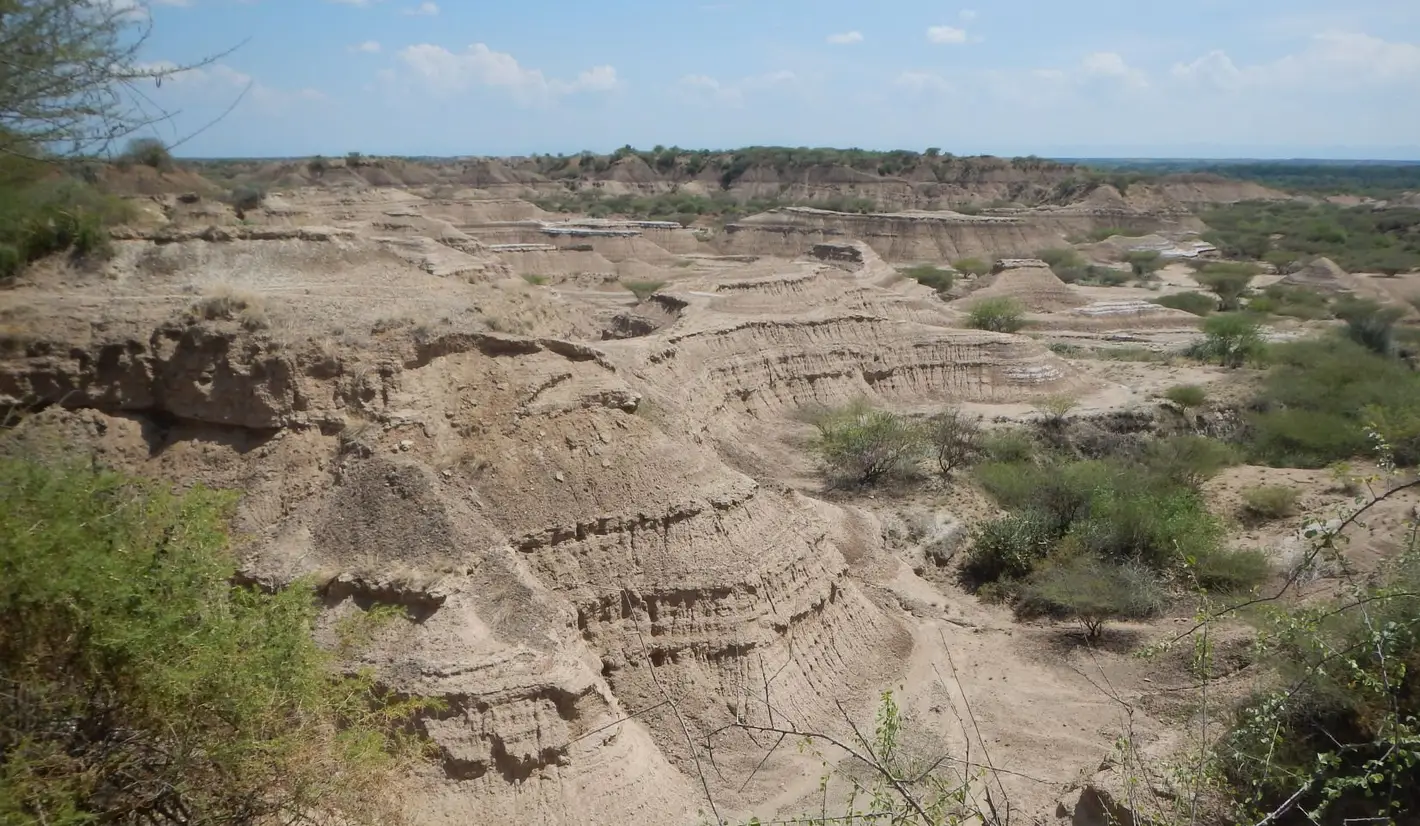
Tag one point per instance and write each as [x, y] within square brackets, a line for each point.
[1028, 281]
[791, 232]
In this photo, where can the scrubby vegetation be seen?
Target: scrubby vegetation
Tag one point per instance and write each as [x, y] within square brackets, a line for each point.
[1359, 239]
[1332, 734]
[1231, 339]
[932, 276]
[1229, 280]
[45, 211]
[138, 685]
[860, 445]
[999, 315]
[1186, 395]
[1092, 592]
[643, 289]
[683, 207]
[1097, 517]
[1330, 399]
[973, 266]
[1190, 302]
[1270, 502]
[1292, 302]
[1072, 268]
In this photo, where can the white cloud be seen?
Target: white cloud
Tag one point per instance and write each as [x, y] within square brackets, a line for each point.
[734, 93]
[1112, 65]
[946, 34]
[923, 81]
[369, 47]
[447, 72]
[424, 10]
[846, 38]
[1333, 59]
[969, 14]
[172, 2]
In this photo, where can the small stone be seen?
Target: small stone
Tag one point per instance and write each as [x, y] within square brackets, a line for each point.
[559, 477]
[405, 446]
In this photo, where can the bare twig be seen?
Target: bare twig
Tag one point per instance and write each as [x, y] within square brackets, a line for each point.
[685, 729]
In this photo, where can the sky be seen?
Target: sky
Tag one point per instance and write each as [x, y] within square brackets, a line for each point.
[1056, 78]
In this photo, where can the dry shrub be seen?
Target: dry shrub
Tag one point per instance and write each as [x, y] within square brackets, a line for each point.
[223, 302]
[1269, 502]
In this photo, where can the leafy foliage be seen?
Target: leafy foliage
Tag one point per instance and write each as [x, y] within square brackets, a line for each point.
[1228, 280]
[1092, 592]
[1321, 399]
[1000, 315]
[1190, 302]
[643, 289]
[973, 266]
[1359, 239]
[149, 152]
[1231, 338]
[138, 685]
[931, 276]
[1144, 263]
[1270, 501]
[1337, 732]
[1187, 395]
[44, 212]
[862, 445]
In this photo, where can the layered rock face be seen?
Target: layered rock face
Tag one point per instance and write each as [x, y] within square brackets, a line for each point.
[939, 236]
[588, 583]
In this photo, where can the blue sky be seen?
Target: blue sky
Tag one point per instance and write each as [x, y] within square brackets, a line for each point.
[1158, 78]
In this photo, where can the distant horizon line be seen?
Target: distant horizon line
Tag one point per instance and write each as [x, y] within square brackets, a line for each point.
[1403, 161]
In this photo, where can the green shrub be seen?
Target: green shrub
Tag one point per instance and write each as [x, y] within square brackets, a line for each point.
[1008, 548]
[1231, 338]
[861, 445]
[1222, 571]
[1291, 301]
[1270, 501]
[246, 198]
[148, 152]
[1320, 398]
[11, 262]
[929, 276]
[1157, 528]
[1335, 720]
[1058, 489]
[1229, 281]
[1187, 460]
[1014, 444]
[1092, 592]
[643, 289]
[141, 686]
[1306, 438]
[1190, 302]
[1061, 257]
[1144, 263]
[1370, 323]
[1186, 395]
[973, 266]
[999, 315]
[534, 279]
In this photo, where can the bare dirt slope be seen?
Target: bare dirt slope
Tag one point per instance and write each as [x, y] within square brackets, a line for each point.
[596, 510]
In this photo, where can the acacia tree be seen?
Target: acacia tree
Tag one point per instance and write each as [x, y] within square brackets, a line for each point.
[72, 77]
[1228, 280]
